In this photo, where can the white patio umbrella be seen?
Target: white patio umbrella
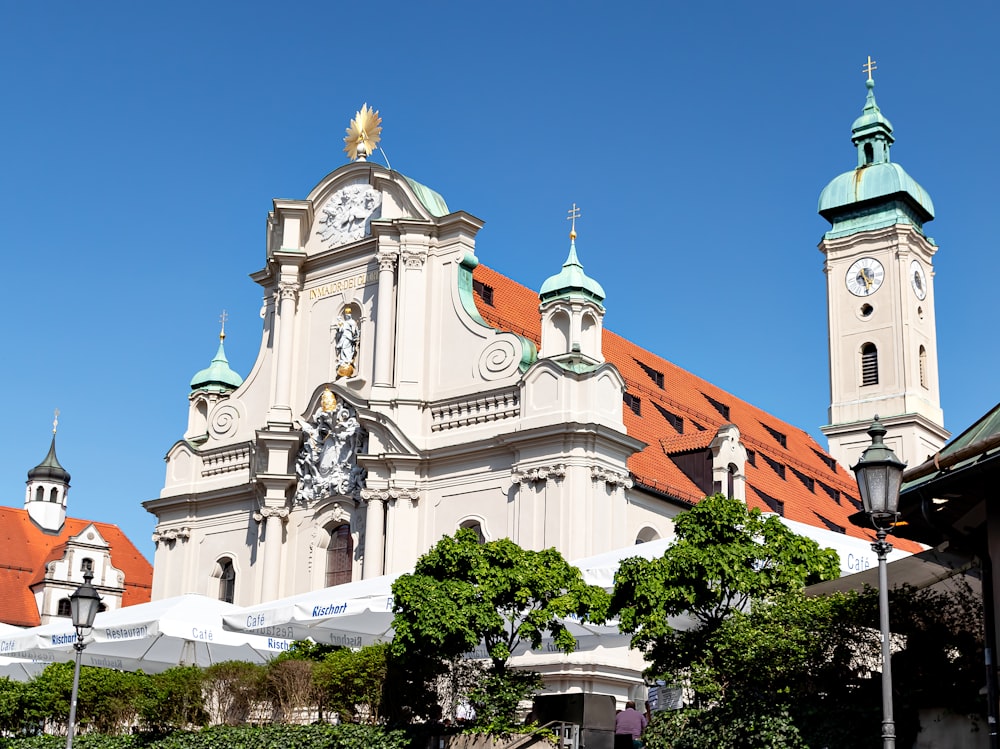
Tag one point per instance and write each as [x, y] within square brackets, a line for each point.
[155, 636]
[353, 614]
[19, 669]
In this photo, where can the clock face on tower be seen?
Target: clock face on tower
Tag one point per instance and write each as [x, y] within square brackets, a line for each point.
[865, 276]
[918, 280]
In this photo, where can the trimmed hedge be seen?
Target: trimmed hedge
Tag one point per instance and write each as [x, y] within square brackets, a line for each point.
[345, 736]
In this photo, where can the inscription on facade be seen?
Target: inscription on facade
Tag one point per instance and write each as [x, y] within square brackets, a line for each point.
[357, 281]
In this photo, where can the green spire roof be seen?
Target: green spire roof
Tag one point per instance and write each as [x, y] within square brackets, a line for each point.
[218, 377]
[49, 469]
[571, 281]
[871, 121]
[878, 193]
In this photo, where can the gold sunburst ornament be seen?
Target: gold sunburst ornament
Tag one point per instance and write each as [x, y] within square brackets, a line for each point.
[363, 135]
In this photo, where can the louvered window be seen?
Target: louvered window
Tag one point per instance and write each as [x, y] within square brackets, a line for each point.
[634, 403]
[923, 367]
[722, 408]
[677, 422]
[484, 290]
[869, 364]
[654, 374]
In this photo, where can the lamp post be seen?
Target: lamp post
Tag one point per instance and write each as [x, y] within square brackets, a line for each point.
[879, 474]
[83, 606]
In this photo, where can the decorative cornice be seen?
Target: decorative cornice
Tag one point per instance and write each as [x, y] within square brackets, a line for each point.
[539, 473]
[170, 535]
[611, 478]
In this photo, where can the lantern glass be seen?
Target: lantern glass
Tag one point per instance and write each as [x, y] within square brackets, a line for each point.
[84, 604]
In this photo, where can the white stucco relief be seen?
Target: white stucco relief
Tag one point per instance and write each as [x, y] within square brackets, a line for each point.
[347, 214]
[327, 464]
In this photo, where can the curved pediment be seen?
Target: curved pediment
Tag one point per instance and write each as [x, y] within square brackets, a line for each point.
[340, 209]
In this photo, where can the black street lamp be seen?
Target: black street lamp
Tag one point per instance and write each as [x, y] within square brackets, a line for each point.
[880, 474]
[83, 606]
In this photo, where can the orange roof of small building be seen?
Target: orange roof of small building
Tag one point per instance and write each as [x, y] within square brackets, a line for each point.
[675, 412]
[25, 549]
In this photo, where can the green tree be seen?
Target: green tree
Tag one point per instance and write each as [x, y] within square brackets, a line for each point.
[12, 704]
[174, 700]
[725, 557]
[351, 682]
[464, 594]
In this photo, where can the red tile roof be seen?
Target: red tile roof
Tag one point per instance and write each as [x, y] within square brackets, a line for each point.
[813, 489]
[25, 549]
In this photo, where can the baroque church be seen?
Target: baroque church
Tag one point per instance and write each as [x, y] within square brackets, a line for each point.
[403, 389]
[44, 554]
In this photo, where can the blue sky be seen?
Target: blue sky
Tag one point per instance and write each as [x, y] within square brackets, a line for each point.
[143, 143]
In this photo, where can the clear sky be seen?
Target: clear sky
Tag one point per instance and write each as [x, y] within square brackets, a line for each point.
[143, 143]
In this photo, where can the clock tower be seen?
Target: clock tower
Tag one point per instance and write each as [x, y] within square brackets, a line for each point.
[880, 301]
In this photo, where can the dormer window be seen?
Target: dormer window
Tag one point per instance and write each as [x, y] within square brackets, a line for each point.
[87, 565]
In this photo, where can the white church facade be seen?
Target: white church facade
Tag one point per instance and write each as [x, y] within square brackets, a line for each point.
[403, 390]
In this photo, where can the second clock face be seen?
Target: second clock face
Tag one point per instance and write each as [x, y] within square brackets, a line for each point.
[865, 276]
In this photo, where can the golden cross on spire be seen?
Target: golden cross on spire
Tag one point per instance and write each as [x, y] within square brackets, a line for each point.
[55, 421]
[222, 319]
[869, 66]
[574, 214]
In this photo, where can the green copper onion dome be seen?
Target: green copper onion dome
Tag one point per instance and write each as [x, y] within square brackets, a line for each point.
[878, 193]
[571, 281]
[49, 469]
[218, 377]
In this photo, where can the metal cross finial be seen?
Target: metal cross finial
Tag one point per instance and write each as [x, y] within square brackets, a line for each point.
[869, 66]
[222, 319]
[574, 214]
[55, 421]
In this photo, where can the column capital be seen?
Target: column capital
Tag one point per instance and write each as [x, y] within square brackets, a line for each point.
[271, 512]
[387, 259]
[287, 290]
[414, 258]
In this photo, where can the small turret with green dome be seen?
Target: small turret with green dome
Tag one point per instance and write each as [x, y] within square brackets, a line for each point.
[571, 281]
[218, 377]
[877, 193]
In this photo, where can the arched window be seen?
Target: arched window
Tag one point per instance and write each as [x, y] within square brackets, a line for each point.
[53, 495]
[475, 525]
[562, 326]
[869, 153]
[227, 580]
[39, 494]
[731, 481]
[339, 556]
[646, 535]
[869, 364]
[923, 367]
[64, 609]
[87, 565]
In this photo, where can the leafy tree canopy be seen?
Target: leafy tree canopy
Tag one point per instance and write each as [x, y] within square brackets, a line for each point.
[725, 557]
[463, 593]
